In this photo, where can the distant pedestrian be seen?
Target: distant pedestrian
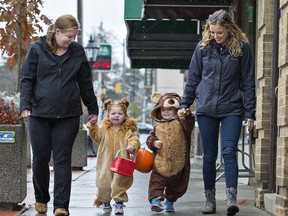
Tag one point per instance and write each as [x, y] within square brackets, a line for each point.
[222, 81]
[116, 131]
[170, 142]
[55, 77]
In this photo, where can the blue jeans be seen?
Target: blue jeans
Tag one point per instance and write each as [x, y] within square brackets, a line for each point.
[230, 133]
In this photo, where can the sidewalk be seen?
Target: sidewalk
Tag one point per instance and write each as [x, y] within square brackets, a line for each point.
[83, 195]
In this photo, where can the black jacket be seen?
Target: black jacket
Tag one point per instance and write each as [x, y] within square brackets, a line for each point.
[221, 84]
[51, 90]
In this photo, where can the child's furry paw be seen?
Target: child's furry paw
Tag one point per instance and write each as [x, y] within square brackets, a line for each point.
[97, 203]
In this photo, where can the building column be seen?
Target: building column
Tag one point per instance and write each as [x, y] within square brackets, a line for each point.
[282, 118]
[263, 61]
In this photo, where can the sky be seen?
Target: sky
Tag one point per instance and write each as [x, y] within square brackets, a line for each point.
[110, 12]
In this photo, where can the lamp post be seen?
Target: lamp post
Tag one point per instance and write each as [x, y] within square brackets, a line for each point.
[91, 51]
[103, 96]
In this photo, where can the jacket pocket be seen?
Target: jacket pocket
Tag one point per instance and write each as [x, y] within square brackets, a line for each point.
[233, 67]
[208, 66]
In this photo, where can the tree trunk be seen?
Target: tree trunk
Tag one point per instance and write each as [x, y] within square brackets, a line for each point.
[21, 18]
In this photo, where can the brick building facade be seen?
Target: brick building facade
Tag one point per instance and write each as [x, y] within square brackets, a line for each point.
[272, 77]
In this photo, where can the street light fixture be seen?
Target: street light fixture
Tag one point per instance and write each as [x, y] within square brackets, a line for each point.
[91, 50]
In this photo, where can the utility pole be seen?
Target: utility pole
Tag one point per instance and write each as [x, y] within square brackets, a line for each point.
[124, 66]
[80, 20]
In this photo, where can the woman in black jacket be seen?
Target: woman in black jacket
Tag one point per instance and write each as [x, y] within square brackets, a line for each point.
[222, 81]
[55, 77]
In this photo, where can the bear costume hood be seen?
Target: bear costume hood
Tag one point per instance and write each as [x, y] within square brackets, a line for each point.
[166, 100]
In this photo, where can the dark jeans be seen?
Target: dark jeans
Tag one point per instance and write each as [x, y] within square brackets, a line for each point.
[55, 135]
[230, 133]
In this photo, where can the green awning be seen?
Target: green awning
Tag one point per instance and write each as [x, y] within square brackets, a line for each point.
[133, 9]
[164, 33]
[161, 44]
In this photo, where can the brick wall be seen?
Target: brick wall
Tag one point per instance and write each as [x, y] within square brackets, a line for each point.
[263, 63]
[282, 118]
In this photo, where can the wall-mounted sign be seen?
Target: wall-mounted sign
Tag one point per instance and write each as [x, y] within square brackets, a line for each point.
[7, 137]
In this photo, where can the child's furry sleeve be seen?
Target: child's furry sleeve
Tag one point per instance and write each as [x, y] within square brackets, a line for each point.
[188, 122]
[150, 140]
[94, 132]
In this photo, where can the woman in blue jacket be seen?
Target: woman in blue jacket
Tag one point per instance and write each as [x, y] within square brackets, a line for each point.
[222, 82]
[55, 77]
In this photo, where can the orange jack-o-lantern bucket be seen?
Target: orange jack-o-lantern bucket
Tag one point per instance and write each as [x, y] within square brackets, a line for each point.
[123, 166]
[144, 160]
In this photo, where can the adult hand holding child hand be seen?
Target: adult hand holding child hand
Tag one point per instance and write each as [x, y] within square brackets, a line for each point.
[181, 113]
[158, 144]
[93, 119]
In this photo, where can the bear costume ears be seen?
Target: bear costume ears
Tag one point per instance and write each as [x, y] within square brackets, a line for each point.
[166, 100]
[155, 97]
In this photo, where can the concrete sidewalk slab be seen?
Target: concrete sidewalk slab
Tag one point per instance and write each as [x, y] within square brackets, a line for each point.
[84, 190]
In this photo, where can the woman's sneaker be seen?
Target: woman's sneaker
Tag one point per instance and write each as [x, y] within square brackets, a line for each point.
[119, 208]
[169, 206]
[107, 207]
[156, 205]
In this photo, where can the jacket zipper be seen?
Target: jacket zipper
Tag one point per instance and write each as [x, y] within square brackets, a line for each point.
[221, 62]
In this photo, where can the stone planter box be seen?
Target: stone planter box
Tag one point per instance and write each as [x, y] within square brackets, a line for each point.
[79, 152]
[13, 166]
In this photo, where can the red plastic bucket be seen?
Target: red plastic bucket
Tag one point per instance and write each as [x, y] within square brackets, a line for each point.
[123, 166]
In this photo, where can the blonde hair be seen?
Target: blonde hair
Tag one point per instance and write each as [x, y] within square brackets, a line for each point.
[235, 34]
[64, 23]
[123, 104]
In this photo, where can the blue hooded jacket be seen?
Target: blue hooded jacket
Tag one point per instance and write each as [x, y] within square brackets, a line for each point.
[221, 84]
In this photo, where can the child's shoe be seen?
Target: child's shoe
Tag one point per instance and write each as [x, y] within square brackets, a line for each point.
[156, 205]
[107, 207]
[169, 206]
[119, 208]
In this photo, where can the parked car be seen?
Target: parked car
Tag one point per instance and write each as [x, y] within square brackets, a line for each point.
[144, 128]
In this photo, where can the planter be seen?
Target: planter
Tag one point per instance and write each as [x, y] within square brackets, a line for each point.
[79, 151]
[13, 165]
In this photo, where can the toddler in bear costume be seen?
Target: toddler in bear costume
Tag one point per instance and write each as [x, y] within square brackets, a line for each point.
[170, 142]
